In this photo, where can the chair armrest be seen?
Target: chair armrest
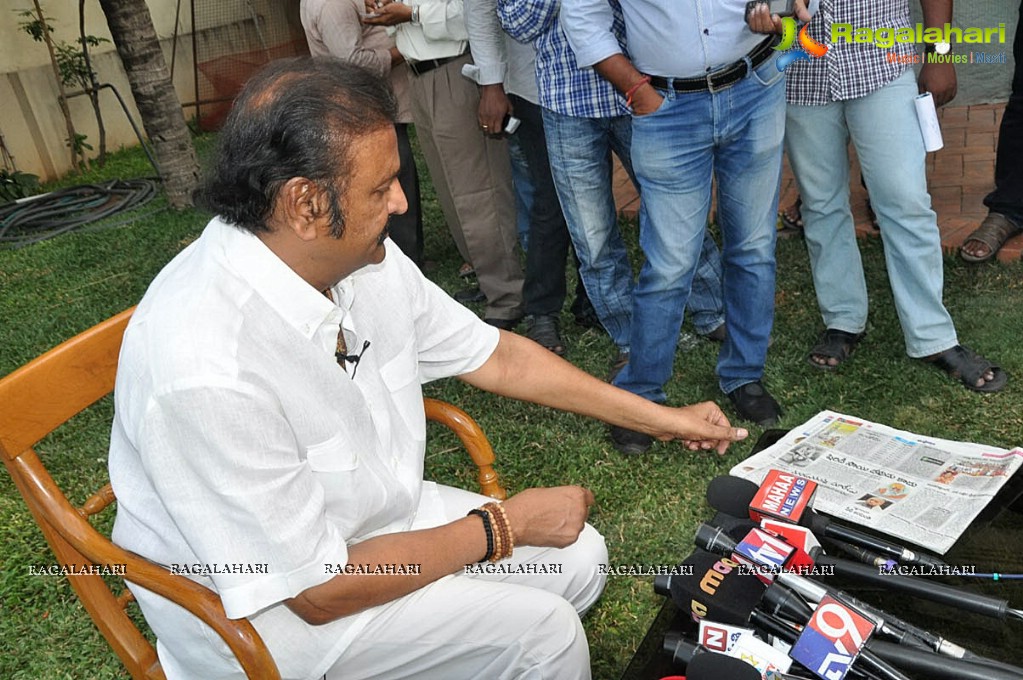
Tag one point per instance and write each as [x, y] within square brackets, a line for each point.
[473, 439]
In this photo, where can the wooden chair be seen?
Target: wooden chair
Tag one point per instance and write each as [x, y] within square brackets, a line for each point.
[42, 395]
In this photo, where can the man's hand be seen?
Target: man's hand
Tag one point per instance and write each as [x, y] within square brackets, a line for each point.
[494, 106]
[551, 517]
[700, 426]
[646, 100]
[388, 13]
[940, 81]
[760, 19]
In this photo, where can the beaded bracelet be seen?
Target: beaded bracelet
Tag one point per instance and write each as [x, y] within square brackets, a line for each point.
[503, 529]
[488, 528]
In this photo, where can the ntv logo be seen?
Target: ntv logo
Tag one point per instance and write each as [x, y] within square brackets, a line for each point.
[808, 47]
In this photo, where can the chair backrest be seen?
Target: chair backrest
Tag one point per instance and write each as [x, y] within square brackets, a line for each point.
[44, 394]
[35, 400]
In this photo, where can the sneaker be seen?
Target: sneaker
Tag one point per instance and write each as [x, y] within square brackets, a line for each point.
[630, 442]
[753, 402]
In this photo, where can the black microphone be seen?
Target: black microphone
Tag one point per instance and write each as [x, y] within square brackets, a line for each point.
[922, 588]
[702, 664]
[930, 665]
[733, 495]
[713, 666]
[353, 359]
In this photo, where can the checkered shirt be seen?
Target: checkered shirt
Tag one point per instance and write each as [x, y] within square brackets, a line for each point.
[563, 86]
[848, 70]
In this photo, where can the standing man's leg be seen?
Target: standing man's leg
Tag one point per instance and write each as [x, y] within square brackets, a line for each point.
[893, 162]
[1005, 203]
[407, 229]
[672, 153]
[748, 169]
[478, 173]
[580, 158]
[816, 139]
[544, 290]
[706, 304]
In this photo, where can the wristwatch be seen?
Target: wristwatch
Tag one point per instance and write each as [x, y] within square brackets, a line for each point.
[415, 15]
[939, 48]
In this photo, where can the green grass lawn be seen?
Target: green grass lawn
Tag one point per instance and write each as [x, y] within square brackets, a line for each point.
[647, 507]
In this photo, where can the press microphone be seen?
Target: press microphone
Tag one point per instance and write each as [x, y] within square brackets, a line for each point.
[718, 591]
[703, 664]
[735, 496]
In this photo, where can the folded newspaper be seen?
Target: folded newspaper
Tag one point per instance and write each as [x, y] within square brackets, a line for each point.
[920, 489]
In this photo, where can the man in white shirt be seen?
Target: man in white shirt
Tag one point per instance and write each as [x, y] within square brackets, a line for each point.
[269, 431]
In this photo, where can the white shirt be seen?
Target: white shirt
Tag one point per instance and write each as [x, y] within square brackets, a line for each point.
[439, 35]
[238, 439]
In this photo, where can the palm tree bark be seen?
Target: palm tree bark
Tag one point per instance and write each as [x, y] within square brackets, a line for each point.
[131, 27]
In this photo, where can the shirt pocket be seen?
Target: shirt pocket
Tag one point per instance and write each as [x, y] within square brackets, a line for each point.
[333, 455]
[401, 377]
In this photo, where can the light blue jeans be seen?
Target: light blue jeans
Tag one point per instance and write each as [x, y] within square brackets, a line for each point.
[735, 136]
[884, 130]
[580, 155]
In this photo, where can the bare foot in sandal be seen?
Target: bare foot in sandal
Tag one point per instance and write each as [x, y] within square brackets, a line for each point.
[792, 216]
[984, 243]
[971, 369]
[833, 348]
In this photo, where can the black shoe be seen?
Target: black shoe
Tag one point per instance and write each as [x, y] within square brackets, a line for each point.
[504, 324]
[470, 295]
[753, 402]
[630, 442]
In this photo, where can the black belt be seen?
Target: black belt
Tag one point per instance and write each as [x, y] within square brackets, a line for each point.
[418, 68]
[723, 77]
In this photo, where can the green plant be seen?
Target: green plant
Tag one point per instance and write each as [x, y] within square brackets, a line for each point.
[17, 184]
[73, 68]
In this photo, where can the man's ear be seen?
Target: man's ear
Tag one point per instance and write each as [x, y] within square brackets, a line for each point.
[304, 207]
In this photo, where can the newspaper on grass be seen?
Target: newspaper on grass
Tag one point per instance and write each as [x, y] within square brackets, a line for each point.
[919, 489]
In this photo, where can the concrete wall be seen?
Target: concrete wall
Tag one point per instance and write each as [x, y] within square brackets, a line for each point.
[983, 83]
[30, 120]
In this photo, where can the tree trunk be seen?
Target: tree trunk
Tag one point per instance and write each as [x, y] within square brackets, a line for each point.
[131, 27]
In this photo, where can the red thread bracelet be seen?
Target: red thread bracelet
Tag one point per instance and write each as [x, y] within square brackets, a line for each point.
[632, 90]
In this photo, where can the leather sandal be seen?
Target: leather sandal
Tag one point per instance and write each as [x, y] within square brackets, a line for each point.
[968, 367]
[993, 232]
[544, 330]
[834, 344]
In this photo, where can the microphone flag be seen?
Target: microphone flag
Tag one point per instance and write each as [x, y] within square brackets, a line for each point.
[832, 639]
[782, 496]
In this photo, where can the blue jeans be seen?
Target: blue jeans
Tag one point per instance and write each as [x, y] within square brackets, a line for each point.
[736, 135]
[523, 187]
[580, 155]
[883, 127]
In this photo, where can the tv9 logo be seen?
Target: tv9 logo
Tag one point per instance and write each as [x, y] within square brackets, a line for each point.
[832, 639]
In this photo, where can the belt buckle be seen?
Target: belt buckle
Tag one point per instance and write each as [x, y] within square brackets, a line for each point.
[710, 82]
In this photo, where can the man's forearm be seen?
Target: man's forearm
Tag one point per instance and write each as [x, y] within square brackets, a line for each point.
[437, 552]
[936, 13]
